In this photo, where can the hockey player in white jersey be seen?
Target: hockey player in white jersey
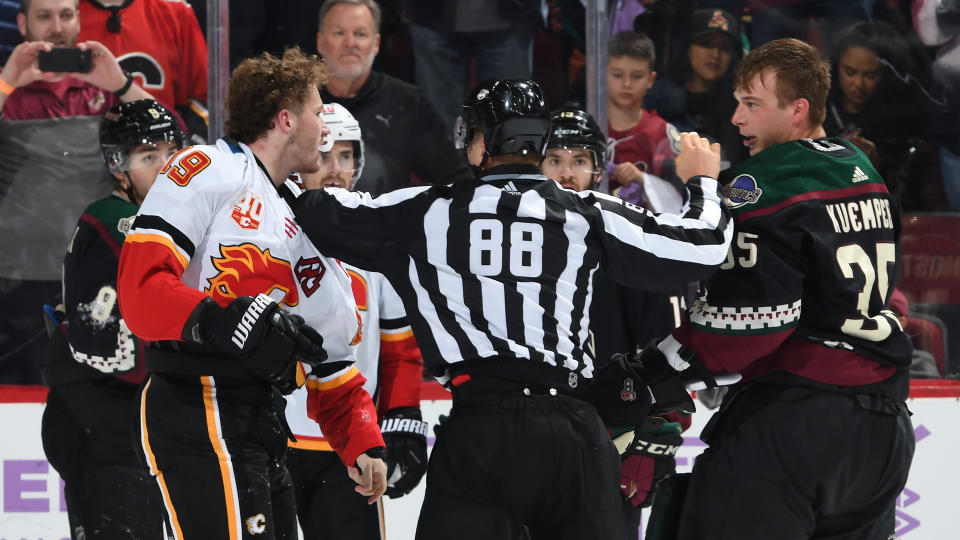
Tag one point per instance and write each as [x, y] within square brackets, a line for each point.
[388, 357]
[218, 275]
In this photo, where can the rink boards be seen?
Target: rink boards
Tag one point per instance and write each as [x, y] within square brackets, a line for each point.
[32, 508]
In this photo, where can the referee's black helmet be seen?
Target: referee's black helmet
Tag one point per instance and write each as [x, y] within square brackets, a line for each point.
[512, 114]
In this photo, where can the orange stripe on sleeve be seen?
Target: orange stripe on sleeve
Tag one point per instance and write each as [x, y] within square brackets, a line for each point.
[400, 336]
[223, 458]
[152, 463]
[304, 443]
[314, 384]
[159, 239]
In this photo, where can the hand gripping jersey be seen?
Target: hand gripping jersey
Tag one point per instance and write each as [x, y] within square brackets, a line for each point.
[810, 271]
[159, 42]
[215, 225]
[387, 357]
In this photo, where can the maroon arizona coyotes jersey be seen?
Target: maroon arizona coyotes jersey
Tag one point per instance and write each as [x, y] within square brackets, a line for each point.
[647, 144]
[808, 278]
[159, 43]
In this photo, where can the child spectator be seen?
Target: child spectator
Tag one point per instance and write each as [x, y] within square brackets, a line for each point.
[696, 92]
[641, 142]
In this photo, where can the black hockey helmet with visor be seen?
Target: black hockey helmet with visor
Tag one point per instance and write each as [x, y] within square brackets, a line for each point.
[572, 128]
[129, 125]
[512, 114]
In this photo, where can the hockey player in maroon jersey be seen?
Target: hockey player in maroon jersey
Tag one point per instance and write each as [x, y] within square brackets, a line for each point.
[213, 254]
[621, 318]
[816, 441]
[95, 368]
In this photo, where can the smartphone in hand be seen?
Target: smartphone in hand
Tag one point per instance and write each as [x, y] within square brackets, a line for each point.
[65, 60]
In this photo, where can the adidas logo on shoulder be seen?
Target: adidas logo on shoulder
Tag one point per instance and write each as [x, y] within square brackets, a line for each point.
[859, 175]
[511, 189]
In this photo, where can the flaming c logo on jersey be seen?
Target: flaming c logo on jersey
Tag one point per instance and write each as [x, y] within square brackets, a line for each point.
[245, 270]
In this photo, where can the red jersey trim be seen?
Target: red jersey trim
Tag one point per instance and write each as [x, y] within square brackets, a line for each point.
[813, 195]
[104, 233]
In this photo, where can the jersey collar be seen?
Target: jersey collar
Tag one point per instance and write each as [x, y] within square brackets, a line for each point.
[512, 172]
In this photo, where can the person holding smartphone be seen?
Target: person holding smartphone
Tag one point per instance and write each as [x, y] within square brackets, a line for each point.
[27, 92]
[50, 183]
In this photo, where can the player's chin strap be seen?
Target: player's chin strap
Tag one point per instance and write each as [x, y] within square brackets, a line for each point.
[483, 161]
[128, 191]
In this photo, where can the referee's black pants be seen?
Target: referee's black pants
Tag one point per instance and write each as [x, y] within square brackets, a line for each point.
[796, 463]
[216, 448]
[518, 467]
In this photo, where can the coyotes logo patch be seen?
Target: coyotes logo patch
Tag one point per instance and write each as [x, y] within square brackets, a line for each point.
[246, 270]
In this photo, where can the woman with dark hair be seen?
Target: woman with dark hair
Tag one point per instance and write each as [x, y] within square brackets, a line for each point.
[696, 92]
[878, 102]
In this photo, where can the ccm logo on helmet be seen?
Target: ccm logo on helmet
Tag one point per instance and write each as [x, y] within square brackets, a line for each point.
[240, 335]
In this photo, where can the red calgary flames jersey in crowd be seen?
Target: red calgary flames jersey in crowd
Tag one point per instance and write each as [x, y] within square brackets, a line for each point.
[159, 43]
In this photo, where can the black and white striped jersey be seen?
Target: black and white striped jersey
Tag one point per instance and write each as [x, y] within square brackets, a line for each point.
[503, 265]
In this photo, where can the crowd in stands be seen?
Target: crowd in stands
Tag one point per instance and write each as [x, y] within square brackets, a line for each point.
[402, 69]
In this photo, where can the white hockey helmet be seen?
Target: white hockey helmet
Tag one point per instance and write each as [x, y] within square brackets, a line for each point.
[343, 127]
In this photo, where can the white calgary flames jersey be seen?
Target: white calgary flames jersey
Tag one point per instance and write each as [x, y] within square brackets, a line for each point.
[236, 236]
[377, 302]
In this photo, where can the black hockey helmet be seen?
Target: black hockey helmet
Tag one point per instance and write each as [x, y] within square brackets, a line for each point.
[574, 128]
[128, 125]
[512, 115]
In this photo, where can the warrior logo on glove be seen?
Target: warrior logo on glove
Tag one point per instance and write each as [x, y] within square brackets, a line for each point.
[405, 434]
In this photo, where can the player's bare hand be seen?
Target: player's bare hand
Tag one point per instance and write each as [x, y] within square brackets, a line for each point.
[626, 173]
[21, 68]
[697, 157]
[370, 474]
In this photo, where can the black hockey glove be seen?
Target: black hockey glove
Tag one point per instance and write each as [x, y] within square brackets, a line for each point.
[272, 342]
[405, 434]
[618, 392]
[649, 457]
[668, 383]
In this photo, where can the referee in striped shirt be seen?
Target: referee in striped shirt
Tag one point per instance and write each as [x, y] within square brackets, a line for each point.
[496, 275]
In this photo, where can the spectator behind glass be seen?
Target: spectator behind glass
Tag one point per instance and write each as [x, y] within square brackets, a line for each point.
[402, 132]
[50, 168]
[663, 21]
[696, 93]
[774, 19]
[877, 102]
[160, 42]
[450, 34]
[938, 25]
[9, 35]
[923, 365]
[642, 143]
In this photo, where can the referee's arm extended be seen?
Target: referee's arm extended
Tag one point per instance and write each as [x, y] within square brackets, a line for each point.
[677, 248]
